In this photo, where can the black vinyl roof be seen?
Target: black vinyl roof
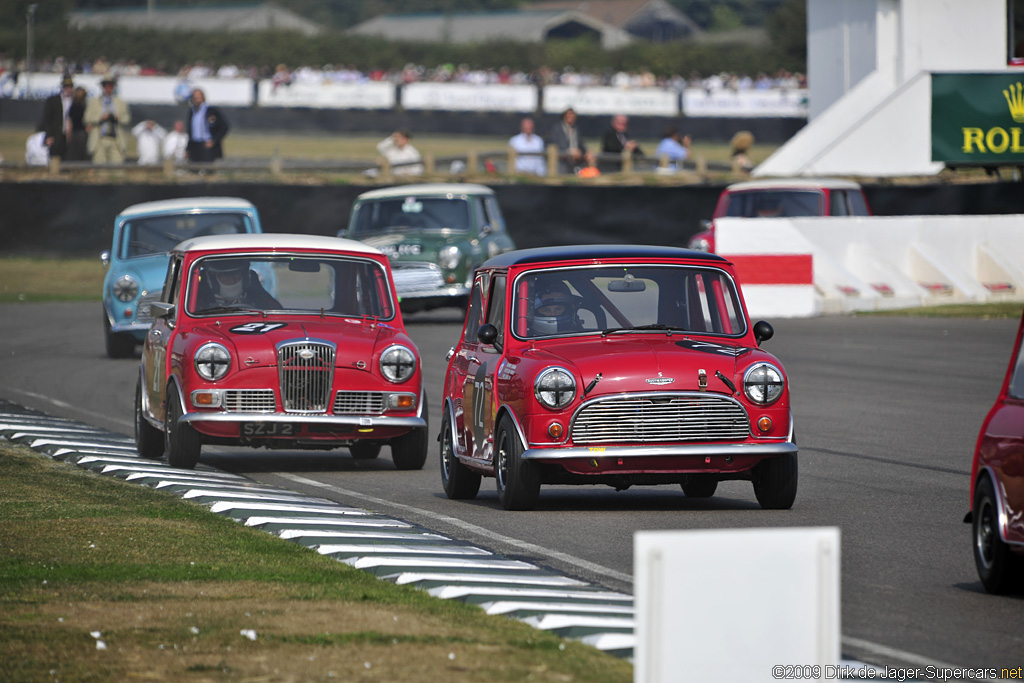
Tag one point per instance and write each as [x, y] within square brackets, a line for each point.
[597, 251]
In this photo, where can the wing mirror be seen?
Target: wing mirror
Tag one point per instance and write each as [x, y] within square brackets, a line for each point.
[162, 309]
[105, 257]
[487, 333]
[763, 331]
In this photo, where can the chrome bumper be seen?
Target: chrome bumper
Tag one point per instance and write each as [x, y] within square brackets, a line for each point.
[675, 451]
[329, 420]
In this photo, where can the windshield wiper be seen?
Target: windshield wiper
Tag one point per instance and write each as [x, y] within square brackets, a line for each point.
[655, 326]
[230, 309]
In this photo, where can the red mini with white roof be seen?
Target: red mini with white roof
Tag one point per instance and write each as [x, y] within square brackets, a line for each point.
[314, 357]
[613, 364]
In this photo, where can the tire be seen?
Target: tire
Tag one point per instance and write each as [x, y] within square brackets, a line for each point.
[775, 481]
[181, 442]
[700, 485]
[998, 567]
[459, 482]
[409, 451]
[149, 441]
[119, 344]
[365, 450]
[518, 480]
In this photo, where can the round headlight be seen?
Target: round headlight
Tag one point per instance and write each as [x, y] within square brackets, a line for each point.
[555, 388]
[212, 361]
[701, 244]
[397, 363]
[125, 288]
[763, 383]
[449, 257]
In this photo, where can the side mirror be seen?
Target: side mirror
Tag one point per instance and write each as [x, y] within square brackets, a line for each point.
[105, 257]
[342, 233]
[162, 309]
[487, 333]
[763, 331]
[705, 224]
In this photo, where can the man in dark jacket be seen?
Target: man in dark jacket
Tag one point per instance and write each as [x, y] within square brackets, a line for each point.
[56, 123]
[206, 129]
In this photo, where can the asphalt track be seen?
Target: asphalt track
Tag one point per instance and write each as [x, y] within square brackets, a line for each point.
[887, 413]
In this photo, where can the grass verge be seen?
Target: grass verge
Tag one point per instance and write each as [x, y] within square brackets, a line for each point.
[103, 580]
[50, 279]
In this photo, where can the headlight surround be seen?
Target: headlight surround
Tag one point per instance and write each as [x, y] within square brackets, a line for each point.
[397, 363]
[763, 383]
[449, 257]
[555, 388]
[212, 361]
[125, 288]
[701, 244]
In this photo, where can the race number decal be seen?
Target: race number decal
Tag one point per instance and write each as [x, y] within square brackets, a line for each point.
[257, 328]
[708, 347]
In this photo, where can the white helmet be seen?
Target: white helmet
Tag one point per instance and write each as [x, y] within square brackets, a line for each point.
[553, 310]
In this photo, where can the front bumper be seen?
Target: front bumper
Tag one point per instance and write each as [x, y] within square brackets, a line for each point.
[673, 451]
[359, 421]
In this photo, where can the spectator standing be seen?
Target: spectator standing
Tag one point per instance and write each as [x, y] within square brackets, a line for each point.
[206, 129]
[149, 140]
[56, 121]
[740, 144]
[403, 157]
[175, 145]
[616, 140]
[674, 147]
[566, 137]
[78, 145]
[107, 118]
[527, 143]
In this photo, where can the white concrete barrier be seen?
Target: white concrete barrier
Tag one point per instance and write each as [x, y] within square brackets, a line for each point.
[872, 263]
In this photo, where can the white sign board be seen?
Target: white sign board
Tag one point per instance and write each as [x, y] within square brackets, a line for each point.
[733, 605]
[604, 100]
[469, 97]
[774, 103]
[373, 95]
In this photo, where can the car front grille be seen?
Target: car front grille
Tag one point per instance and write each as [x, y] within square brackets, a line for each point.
[249, 400]
[358, 403]
[660, 418]
[144, 311]
[306, 371]
[417, 276]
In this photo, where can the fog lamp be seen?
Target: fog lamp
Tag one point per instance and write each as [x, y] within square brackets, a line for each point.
[206, 399]
[764, 424]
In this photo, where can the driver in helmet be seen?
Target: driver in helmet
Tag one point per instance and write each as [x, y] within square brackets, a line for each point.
[230, 282]
[554, 309]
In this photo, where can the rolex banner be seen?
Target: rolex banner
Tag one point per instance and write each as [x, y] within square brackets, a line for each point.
[977, 118]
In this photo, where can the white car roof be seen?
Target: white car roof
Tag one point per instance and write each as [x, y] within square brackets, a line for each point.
[794, 184]
[188, 204]
[274, 242]
[426, 189]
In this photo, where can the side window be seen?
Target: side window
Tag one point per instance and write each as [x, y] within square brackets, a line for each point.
[494, 214]
[1016, 388]
[473, 315]
[837, 203]
[496, 308]
[172, 281]
[858, 206]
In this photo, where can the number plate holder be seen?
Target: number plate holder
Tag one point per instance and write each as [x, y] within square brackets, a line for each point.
[257, 429]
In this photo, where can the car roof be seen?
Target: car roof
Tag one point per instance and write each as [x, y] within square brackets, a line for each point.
[188, 204]
[583, 252]
[424, 189]
[274, 242]
[794, 184]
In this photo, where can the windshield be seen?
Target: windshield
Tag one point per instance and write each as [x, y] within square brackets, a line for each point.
[775, 204]
[615, 299]
[410, 213]
[160, 234]
[338, 286]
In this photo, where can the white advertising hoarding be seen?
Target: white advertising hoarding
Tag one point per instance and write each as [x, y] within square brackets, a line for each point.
[373, 95]
[774, 103]
[601, 100]
[469, 97]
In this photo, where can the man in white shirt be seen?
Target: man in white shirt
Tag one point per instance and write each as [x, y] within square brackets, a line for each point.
[149, 138]
[176, 143]
[527, 146]
[36, 151]
[403, 157]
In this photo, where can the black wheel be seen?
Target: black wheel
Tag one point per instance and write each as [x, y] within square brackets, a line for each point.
[459, 482]
[775, 482]
[998, 568]
[365, 450]
[181, 443]
[518, 479]
[700, 485]
[119, 344]
[149, 441]
[409, 451]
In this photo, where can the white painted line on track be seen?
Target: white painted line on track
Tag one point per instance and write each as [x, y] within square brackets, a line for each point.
[473, 528]
[902, 655]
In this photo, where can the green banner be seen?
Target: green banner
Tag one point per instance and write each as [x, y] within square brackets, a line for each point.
[977, 118]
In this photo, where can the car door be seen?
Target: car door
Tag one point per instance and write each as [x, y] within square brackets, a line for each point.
[460, 385]
[154, 347]
[1006, 432]
[481, 368]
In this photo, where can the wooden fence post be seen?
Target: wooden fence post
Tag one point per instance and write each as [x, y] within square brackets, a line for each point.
[552, 160]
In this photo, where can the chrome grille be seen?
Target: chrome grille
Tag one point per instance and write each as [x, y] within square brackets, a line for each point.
[415, 277]
[359, 402]
[144, 311]
[306, 370]
[249, 400]
[660, 418]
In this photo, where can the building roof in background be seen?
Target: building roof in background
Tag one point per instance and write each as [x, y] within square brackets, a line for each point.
[654, 20]
[524, 26]
[235, 18]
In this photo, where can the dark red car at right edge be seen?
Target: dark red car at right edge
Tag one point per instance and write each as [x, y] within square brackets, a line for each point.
[618, 365]
[997, 485]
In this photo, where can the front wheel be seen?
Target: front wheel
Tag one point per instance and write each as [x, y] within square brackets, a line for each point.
[181, 442]
[775, 482]
[518, 480]
[998, 567]
[700, 485]
[365, 450]
[459, 482]
[149, 442]
[409, 451]
[119, 344]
